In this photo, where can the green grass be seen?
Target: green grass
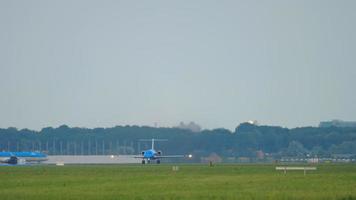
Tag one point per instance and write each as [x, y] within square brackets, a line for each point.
[190, 182]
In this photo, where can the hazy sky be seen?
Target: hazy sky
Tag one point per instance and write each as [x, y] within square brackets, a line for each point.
[218, 63]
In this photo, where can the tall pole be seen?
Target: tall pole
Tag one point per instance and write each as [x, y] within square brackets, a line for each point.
[132, 147]
[103, 148]
[75, 147]
[54, 147]
[89, 147]
[61, 147]
[110, 147]
[96, 147]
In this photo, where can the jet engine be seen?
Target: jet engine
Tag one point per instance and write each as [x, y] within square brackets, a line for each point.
[159, 153]
[142, 153]
[12, 160]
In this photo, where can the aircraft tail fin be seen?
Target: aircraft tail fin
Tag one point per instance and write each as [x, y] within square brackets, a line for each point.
[153, 140]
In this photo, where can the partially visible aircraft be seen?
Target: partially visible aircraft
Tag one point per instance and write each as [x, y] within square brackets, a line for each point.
[151, 154]
[24, 157]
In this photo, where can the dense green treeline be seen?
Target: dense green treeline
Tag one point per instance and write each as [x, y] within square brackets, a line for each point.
[245, 141]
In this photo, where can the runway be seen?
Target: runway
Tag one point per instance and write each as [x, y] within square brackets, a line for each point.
[91, 159]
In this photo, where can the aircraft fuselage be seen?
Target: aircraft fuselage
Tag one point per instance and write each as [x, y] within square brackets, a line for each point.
[22, 157]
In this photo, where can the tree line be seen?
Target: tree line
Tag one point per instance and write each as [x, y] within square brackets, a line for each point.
[244, 141]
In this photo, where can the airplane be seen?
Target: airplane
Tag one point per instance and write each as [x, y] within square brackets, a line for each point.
[23, 157]
[151, 154]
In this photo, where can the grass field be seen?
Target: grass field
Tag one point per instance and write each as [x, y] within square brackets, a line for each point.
[190, 182]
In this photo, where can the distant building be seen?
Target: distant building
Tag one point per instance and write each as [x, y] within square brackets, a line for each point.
[337, 123]
[253, 122]
[213, 157]
[260, 154]
[191, 126]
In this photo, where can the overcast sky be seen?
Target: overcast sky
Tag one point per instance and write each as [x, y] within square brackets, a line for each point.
[218, 63]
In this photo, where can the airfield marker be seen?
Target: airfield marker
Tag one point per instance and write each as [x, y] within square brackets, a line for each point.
[175, 168]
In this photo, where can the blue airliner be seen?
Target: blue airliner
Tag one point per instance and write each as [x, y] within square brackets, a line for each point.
[22, 157]
[151, 154]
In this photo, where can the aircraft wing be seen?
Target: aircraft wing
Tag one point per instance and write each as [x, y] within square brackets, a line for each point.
[168, 156]
[174, 156]
[138, 156]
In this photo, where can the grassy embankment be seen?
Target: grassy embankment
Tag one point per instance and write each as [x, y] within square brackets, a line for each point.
[190, 182]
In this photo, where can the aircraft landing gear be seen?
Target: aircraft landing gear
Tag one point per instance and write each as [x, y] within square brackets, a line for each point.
[143, 162]
[158, 161]
[148, 161]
